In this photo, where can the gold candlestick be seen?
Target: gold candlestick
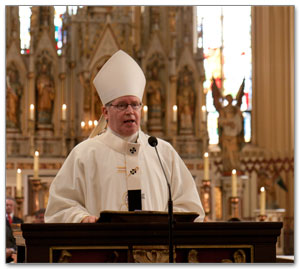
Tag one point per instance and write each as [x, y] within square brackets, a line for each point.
[235, 208]
[19, 202]
[205, 194]
[36, 187]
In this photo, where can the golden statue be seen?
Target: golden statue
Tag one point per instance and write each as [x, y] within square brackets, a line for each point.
[13, 96]
[230, 125]
[186, 102]
[155, 92]
[45, 94]
[154, 87]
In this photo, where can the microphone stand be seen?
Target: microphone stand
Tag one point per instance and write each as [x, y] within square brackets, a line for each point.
[170, 215]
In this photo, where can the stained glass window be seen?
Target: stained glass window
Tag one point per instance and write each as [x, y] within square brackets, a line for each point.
[225, 36]
[24, 15]
[60, 35]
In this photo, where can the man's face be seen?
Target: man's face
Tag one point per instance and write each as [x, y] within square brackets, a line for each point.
[9, 206]
[124, 122]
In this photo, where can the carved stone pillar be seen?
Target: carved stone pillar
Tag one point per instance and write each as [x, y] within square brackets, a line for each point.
[172, 131]
[273, 86]
[31, 98]
[72, 104]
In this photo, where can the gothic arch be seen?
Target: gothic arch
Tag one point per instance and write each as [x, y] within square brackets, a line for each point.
[106, 46]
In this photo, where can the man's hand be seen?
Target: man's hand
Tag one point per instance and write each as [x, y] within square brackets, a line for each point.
[89, 219]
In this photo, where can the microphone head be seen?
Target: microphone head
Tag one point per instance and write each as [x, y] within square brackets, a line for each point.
[152, 140]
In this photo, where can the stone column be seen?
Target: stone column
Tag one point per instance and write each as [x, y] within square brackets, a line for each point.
[31, 99]
[172, 100]
[273, 78]
[273, 87]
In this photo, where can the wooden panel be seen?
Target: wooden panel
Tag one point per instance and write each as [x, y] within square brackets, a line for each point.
[202, 242]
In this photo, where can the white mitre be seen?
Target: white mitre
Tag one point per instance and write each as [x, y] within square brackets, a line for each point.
[119, 76]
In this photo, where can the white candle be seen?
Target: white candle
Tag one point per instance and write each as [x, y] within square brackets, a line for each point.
[206, 166]
[203, 113]
[19, 182]
[262, 201]
[31, 112]
[234, 183]
[145, 113]
[36, 165]
[174, 113]
[64, 112]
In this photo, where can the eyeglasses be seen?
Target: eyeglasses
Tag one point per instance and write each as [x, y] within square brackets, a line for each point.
[124, 106]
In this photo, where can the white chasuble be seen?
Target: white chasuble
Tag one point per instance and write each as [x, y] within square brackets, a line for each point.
[98, 173]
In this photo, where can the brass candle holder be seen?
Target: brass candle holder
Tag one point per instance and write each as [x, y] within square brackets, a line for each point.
[19, 202]
[36, 187]
[235, 208]
[205, 194]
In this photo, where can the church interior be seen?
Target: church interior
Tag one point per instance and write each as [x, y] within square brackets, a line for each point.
[222, 96]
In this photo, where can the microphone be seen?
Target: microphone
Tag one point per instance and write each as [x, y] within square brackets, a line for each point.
[152, 140]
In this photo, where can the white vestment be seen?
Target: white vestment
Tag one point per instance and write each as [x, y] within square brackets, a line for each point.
[99, 171]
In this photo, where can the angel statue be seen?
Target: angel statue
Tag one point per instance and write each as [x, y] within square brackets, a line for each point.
[230, 125]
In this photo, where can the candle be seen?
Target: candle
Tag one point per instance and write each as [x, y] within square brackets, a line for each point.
[262, 201]
[36, 165]
[19, 182]
[145, 110]
[206, 166]
[31, 112]
[64, 112]
[203, 113]
[82, 124]
[234, 183]
[95, 122]
[90, 123]
[174, 113]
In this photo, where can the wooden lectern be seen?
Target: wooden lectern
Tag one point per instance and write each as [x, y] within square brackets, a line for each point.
[147, 242]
